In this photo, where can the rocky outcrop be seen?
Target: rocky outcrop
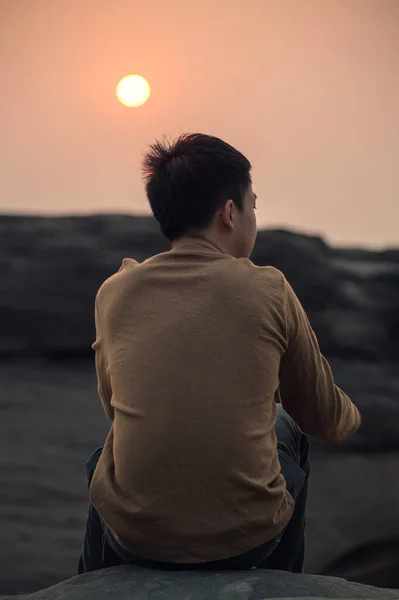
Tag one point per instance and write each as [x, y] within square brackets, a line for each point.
[121, 583]
[351, 296]
[51, 269]
[51, 420]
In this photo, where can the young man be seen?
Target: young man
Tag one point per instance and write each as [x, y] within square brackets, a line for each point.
[202, 469]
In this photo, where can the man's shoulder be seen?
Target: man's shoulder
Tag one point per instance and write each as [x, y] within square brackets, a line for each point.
[116, 279]
[263, 284]
[265, 275]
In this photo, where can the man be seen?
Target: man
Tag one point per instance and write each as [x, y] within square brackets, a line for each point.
[202, 469]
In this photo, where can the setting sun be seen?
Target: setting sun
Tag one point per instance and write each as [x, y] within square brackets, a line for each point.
[133, 90]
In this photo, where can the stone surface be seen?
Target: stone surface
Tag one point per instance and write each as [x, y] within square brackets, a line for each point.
[51, 269]
[133, 583]
[51, 418]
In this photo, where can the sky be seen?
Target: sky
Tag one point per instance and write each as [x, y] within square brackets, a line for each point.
[307, 89]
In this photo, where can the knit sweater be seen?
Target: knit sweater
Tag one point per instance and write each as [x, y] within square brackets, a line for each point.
[191, 346]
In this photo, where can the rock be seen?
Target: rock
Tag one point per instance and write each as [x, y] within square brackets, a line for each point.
[50, 271]
[353, 494]
[304, 260]
[374, 387]
[377, 564]
[350, 295]
[51, 268]
[134, 583]
[352, 518]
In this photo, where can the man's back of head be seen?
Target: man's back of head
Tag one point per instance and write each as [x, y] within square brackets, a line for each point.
[199, 186]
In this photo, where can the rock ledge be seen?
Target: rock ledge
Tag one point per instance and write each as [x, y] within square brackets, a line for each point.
[136, 583]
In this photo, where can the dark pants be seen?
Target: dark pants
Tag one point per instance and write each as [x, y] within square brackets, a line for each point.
[286, 552]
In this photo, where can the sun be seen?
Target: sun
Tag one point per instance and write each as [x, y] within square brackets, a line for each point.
[133, 90]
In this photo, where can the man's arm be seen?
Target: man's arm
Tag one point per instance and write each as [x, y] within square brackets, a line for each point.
[307, 388]
[104, 385]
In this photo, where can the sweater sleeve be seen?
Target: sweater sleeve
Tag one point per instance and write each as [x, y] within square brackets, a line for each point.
[104, 384]
[307, 388]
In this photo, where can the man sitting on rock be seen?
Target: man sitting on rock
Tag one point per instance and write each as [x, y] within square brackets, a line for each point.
[202, 468]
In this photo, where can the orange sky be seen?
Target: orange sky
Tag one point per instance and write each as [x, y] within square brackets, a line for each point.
[308, 89]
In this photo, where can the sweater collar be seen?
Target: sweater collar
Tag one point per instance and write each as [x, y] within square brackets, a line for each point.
[197, 245]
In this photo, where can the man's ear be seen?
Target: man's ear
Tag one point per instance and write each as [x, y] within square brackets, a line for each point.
[228, 214]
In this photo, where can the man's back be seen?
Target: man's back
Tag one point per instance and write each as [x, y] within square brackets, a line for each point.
[189, 352]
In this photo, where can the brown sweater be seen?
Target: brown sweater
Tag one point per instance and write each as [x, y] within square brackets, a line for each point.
[191, 347]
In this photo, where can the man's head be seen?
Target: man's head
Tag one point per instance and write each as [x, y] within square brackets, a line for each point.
[200, 186]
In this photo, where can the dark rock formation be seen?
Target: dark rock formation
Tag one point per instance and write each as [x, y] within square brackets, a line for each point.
[377, 563]
[121, 583]
[351, 296]
[51, 269]
[51, 418]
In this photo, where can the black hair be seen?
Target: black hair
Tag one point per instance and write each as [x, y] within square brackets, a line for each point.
[188, 179]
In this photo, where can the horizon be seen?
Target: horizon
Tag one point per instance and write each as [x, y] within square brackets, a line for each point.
[308, 91]
[291, 230]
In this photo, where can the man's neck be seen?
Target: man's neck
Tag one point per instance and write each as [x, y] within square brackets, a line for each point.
[203, 240]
